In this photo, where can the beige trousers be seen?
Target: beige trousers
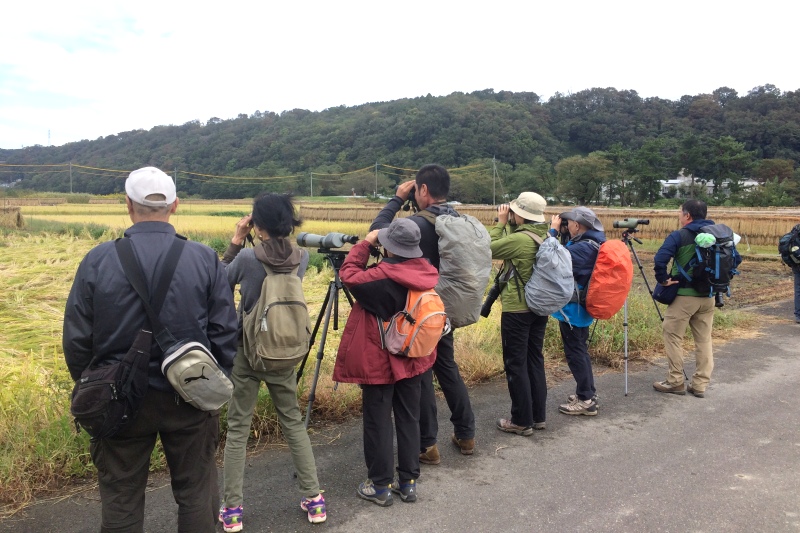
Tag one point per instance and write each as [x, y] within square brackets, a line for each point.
[698, 314]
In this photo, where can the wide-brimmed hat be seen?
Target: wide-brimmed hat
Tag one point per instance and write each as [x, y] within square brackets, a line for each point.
[401, 238]
[150, 180]
[529, 206]
[585, 216]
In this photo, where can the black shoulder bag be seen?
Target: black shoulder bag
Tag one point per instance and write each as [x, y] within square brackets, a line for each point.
[108, 395]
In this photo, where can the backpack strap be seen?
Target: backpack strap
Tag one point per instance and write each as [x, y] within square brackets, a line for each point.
[427, 215]
[537, 239]
[133, 271]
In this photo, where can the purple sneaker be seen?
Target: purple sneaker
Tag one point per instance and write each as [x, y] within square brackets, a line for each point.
[315, 507]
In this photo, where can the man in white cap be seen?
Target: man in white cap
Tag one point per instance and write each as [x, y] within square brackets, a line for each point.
[102, 318]
[586, 234]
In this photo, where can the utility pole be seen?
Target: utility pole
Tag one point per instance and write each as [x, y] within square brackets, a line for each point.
[494, 181]
[376, 179]
[176, 181]
[70, 177]
[312, 185]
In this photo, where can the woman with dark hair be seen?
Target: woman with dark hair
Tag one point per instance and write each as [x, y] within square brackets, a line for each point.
[273, 219]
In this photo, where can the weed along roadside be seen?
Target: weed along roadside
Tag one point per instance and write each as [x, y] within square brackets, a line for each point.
[41, 451]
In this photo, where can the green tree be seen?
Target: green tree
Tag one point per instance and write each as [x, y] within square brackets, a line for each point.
[583, 178]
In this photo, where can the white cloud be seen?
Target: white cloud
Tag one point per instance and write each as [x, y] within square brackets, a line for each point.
[85, 69]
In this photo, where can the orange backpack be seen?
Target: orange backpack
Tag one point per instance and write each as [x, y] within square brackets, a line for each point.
[415, 331]
[611, 280]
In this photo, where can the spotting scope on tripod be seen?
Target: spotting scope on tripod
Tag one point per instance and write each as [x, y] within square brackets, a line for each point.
[630, 226]
[325, 245]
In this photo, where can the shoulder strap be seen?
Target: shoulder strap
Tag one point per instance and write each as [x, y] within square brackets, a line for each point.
[133, 271]
[427, 215]
[271, 272]
[538, 240]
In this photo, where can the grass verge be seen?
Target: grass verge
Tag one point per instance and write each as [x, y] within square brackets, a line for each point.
[40, 450]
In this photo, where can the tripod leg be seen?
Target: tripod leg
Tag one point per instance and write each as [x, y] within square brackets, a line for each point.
[646, 283]
[331, 298]
[625, 329]
[314, 333]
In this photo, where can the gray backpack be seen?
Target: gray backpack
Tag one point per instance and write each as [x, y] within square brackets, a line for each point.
[465, 264]
[277, 331]
[551, 286]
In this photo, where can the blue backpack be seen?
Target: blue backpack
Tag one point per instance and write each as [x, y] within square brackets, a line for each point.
[714, 262]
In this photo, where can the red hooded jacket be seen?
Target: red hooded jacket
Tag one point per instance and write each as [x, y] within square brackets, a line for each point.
[379, 291]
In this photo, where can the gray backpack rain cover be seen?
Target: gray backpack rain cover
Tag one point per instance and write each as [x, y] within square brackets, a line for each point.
[551, 285]
[465, 264]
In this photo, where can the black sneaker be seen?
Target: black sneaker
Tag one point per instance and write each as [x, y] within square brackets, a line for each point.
[406, 489]
[378, 495]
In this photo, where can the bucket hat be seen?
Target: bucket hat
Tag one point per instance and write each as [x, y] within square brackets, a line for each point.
[401, 238]
[585, 216]
[529, 206]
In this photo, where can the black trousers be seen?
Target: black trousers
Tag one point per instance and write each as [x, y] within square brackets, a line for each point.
[455, 393]
[189, 437]
[523, 339]
[379, 402]
[576, 350]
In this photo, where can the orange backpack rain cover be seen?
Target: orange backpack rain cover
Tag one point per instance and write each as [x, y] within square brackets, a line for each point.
[611, 280]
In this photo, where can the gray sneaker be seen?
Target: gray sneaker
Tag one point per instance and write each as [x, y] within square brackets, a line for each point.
[664, 386]
[572, 397]
[503, 424]
[579, 407]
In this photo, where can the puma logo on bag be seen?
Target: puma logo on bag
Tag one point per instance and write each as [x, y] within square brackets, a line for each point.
[201, 376]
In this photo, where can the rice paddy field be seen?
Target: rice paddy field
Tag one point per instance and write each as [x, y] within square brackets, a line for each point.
[40, 450]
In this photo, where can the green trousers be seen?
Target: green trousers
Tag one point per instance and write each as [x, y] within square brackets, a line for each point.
[282, 386]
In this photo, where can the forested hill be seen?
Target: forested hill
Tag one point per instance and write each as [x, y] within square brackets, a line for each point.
[527, 136]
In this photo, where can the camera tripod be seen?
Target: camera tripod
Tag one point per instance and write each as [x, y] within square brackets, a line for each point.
[329, 307]
[628, 238]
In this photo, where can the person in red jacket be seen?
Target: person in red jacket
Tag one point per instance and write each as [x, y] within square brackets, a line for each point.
[389, 383]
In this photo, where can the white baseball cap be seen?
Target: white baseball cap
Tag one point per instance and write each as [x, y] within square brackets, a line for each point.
[150, 180]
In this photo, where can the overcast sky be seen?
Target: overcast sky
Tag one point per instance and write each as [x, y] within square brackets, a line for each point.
[84, 69]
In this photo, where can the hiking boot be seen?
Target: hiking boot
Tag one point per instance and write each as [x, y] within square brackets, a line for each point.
[467, 446]
[430, 456]
[664, 386]
[572, 397]
[506, 425]
[579, 407]
[315, 507]
[406, 489]
[378, 495]
[697, 393]
[231, 519]
[538, 426]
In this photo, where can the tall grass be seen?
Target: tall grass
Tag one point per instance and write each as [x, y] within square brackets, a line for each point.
[39, 447]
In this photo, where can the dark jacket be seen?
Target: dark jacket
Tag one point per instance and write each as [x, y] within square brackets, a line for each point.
[679, 245]
[380, 291]
[429, 240]
[104, 314]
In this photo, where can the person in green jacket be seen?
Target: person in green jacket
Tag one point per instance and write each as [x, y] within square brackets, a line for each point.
[521, 330]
